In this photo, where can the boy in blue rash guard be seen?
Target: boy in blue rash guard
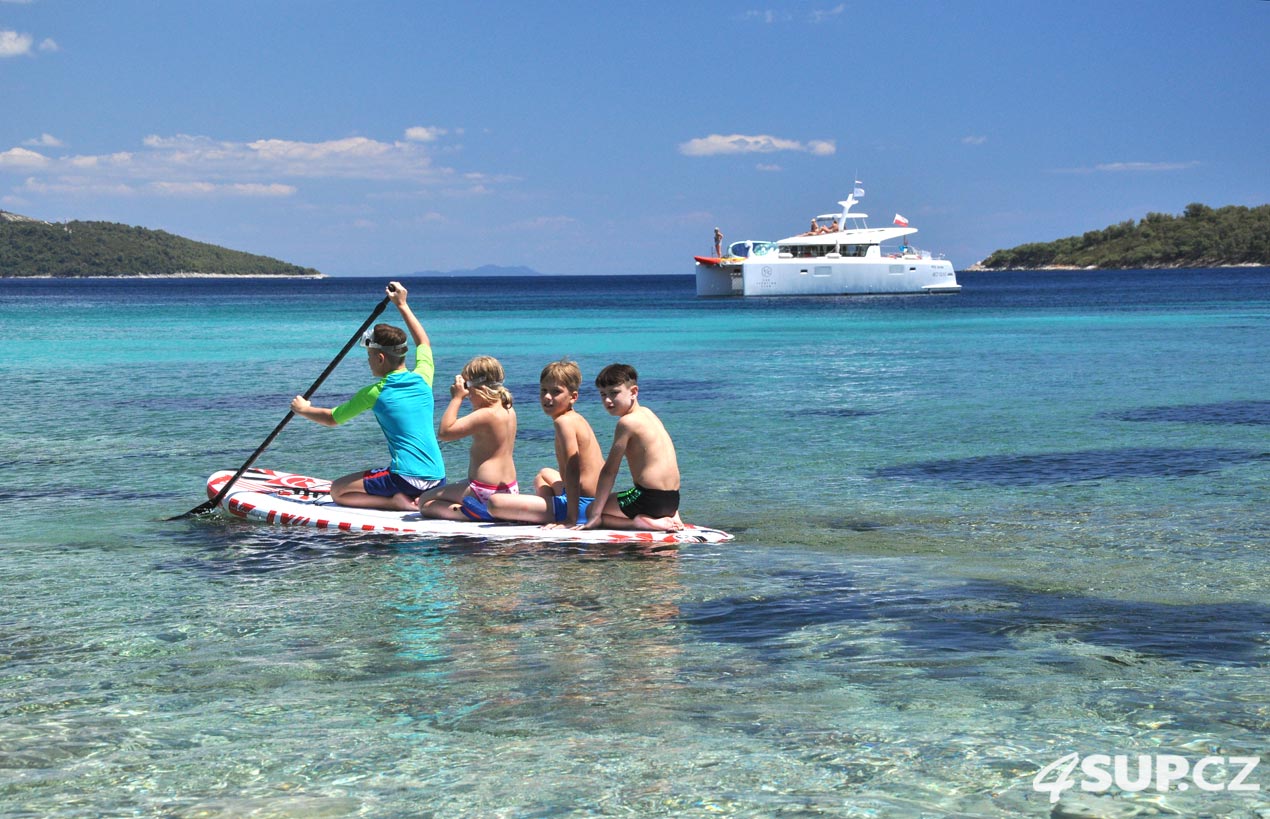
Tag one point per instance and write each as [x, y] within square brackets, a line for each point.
[402, 402]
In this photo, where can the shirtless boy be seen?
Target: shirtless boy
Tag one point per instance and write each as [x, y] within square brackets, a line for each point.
[640, 438]
[561, 496]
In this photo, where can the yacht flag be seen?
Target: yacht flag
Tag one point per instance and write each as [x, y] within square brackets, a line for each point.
[858, 193]
[901, 221]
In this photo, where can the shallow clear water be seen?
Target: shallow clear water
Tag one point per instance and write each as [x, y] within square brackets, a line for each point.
[974, 534]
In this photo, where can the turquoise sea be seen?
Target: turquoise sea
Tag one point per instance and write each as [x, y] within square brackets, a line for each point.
[974, 534]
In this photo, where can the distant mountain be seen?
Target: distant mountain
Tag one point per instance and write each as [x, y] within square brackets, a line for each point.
[1200, 237]
[483, 270]
[30, 247]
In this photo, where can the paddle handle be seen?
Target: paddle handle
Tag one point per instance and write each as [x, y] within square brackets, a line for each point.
[330, 368]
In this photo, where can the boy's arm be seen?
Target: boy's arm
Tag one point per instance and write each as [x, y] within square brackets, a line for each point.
[608, 476]
[397, 293]
[301, 406]
[571, 472]
[451, 427]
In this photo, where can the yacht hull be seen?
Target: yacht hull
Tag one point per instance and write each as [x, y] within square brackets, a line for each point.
[826, 277]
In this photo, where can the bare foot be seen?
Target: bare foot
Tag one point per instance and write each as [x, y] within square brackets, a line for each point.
[404, 504]
[667, 524]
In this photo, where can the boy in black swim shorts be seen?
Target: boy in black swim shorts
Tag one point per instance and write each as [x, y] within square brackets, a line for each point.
[655, 503]
[642, 440]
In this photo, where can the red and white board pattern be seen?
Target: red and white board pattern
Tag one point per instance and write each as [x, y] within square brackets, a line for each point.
[285, 499]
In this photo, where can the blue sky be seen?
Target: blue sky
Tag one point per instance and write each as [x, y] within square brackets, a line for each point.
[381, 138]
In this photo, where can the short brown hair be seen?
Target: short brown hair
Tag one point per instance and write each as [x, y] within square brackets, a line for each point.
[390, 337]
[615, 375]
[564, 372]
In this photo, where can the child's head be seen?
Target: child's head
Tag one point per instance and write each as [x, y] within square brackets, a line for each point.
[615, 375]
[619, 388]
[558, 387]
[563, 372]
[484, 377]
[387, 341]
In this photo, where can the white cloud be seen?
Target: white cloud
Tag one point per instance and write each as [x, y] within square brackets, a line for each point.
[771, 16]
[13, 44]
[1131, 167]
[765, 16]
[720, 144]
[349, 158]
[199, 189]
[118, 160]
[22, 159]
[973, 140]
[188, 165]
[45, 141]
[768, 168]
[50, 45]
[1145, 166]
[821, 15]
[77, 185]
[545, 223]
[423, 133]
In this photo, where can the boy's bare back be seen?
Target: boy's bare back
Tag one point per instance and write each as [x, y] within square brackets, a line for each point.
[575, 441]
[650, 453]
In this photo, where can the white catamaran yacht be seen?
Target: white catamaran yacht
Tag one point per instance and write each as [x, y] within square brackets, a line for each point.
[840, 256]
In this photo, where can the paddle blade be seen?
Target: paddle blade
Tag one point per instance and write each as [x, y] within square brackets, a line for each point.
[201, 509]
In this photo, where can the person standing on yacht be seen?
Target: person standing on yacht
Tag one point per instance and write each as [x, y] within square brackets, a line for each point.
[718, 243]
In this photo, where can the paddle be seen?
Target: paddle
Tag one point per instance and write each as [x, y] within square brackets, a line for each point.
[211, 504]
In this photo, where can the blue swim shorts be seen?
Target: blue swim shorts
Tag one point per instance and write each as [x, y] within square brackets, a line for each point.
[385, 484]
[561, 504]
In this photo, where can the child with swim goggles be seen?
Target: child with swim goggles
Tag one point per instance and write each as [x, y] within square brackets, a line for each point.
[402, 402]
[492, 427]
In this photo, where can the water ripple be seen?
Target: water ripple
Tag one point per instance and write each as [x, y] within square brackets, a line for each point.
[1074, 467]
[981, 619]
[1225, 412]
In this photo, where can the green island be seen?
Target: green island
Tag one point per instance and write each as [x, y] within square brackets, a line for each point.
[30, 247]
[1200, 237]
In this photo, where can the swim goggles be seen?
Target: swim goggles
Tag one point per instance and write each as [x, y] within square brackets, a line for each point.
[368, 341]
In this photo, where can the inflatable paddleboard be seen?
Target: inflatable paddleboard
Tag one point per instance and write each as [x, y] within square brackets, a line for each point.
[285, 499]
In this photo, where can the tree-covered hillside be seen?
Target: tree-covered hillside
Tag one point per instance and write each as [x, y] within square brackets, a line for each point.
[1200, 237]
[33, 248]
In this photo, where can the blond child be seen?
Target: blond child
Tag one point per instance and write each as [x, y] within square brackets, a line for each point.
[492, 427]
[561, 496]
[640, 438]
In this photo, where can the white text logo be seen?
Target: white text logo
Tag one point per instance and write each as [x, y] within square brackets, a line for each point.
[1163, 772]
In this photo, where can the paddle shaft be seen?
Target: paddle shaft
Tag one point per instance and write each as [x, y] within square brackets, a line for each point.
[212, 504]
